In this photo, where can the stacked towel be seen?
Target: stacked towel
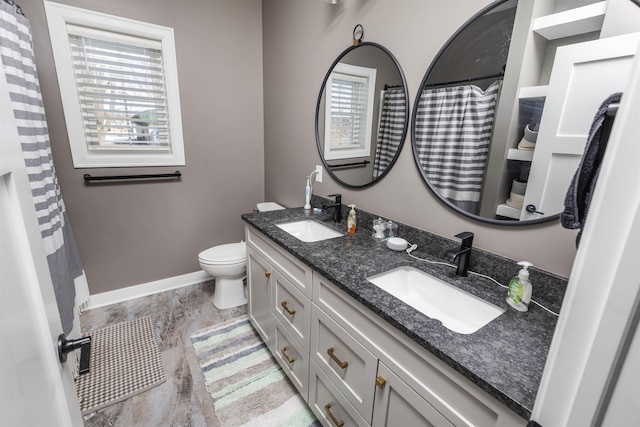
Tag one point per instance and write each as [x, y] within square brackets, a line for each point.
[582, 185]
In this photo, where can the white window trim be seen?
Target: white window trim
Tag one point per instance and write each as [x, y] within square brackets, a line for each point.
[332, 153]
[58, 16]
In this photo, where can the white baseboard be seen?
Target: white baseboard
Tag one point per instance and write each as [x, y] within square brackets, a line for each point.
[137, 291]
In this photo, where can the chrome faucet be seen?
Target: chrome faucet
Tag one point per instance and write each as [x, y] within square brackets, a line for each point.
[463, 254]
[337, 215]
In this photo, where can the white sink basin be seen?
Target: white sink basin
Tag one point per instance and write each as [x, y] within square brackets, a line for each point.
[309, 231]
[458, 310]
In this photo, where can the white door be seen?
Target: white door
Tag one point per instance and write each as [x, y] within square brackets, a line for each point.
[583, 76]
[592, 373]
[35, 389]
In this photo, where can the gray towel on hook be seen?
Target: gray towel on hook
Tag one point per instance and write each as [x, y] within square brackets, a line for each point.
[582, 185]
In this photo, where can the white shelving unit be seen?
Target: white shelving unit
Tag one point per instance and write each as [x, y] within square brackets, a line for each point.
[572, 22]
[522, 155]
[533, 91]
[508, 212]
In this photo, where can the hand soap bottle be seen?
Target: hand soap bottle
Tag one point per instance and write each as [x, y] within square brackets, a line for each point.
[351, 220]
[520, 288]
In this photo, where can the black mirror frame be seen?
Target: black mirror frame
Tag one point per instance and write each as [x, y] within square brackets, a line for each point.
[406, 125]
[413, 135]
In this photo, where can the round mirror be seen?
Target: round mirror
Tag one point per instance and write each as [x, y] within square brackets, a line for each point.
[455, 111]
[501, 119]
[362, 115]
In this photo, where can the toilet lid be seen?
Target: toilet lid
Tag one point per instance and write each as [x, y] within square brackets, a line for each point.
[231, 253]
[268, 206]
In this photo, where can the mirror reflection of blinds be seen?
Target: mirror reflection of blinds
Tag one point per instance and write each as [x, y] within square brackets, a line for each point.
[349, 103]
[122, 95]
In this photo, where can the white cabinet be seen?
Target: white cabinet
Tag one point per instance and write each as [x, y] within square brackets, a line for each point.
[353, 368]
[259, 273]
[397, 404]
[280, 305]
[349, 365]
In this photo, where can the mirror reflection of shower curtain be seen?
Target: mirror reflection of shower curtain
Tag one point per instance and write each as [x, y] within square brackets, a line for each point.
[392, 125]
[453, 133]
[67, 274]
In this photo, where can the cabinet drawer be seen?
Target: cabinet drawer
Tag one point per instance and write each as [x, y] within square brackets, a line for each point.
[294, 361]
[299, 274]
[350, 366]
[329, 405]
[292, 309]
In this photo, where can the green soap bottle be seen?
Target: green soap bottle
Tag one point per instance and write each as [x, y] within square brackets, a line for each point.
[520, 288]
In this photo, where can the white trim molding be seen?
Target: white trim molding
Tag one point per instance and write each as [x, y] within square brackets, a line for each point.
[60, 19]
[145, 289]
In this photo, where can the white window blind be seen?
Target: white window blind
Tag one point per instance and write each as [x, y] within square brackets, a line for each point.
[349, 105]
[349, 111]
[121, 90]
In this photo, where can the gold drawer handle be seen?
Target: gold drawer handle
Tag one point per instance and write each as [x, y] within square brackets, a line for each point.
[287, 309]
[290, 359]
[380, 382]
[340, 363]
[327, 408]
[267, 274]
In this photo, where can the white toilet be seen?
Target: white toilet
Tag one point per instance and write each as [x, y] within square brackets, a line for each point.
[228, 265]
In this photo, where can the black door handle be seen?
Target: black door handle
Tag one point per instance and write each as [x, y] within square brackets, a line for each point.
[84, 344]
[533, 209]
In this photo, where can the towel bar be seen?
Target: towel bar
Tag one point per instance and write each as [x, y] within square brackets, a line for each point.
[89, 178]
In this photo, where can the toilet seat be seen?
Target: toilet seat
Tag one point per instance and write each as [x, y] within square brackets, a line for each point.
[227, 254]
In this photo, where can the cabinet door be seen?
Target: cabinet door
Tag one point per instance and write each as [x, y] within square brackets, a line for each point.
[259, 286]
[583, 76]
[397, 404]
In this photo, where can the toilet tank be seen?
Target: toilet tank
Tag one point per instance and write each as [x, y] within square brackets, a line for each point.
[268, 206]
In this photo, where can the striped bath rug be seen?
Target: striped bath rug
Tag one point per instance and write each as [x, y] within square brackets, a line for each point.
[247, 385]
[125, 361]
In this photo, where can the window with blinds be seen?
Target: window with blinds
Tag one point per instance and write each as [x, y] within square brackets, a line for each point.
[349, 111]
[121, 90]
[119, 86]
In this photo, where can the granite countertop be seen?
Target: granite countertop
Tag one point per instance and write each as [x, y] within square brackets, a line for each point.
[505, 358]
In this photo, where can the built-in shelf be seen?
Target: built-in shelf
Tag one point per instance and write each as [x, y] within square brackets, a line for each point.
[522, 155]
[580, 20]
[533, 92]
[508, 212]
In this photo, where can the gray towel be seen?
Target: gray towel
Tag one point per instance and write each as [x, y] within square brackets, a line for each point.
[582, 185]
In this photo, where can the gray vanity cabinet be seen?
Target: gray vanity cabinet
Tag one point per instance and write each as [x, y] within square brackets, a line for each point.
[353, 368]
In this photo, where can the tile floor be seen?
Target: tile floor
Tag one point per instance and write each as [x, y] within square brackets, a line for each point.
[182, 400]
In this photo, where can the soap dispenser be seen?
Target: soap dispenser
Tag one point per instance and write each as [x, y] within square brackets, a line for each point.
[351, 220]
[520, 288]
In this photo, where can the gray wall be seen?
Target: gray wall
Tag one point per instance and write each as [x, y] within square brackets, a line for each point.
[300, 40]
[135, 233]
[237, 147]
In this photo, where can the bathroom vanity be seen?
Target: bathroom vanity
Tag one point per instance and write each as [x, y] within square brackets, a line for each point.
[359, 356]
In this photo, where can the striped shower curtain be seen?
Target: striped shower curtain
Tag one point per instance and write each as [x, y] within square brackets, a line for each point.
[393, 116]
[452, 135]
[17, 59]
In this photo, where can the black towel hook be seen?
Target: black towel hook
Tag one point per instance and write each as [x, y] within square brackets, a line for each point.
[358, 34]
